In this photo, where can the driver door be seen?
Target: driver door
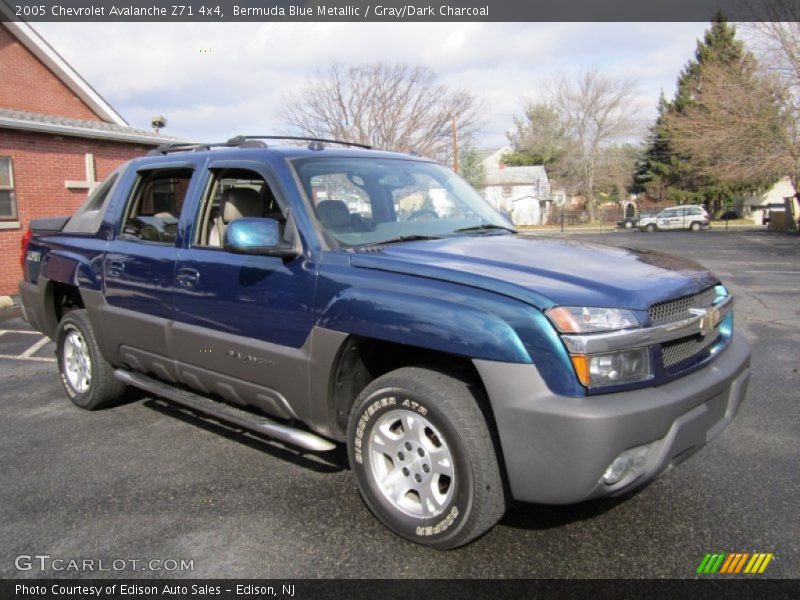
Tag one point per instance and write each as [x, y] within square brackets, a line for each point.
[241, 320]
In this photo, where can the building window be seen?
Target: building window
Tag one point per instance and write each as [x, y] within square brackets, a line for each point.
[8, 203]
[506, 191]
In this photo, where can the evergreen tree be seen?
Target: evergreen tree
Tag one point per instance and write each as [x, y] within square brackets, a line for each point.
[654, 165]
[665, 173]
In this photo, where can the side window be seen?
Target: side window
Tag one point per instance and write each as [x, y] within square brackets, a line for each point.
[8, 202]
[233, 194]
[155, 206]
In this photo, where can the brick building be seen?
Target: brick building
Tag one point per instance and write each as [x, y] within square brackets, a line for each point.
[58, 139]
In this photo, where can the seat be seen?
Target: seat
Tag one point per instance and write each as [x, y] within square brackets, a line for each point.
[236, 204]
[336, 217]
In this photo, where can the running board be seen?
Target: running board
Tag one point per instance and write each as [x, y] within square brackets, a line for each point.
[225, 412]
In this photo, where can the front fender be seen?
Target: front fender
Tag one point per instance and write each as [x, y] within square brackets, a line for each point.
[446, 317]
[424, 322]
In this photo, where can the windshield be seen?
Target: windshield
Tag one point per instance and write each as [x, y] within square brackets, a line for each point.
[366, 201]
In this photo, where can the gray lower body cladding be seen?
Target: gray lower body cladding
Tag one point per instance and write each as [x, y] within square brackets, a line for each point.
[556, 449]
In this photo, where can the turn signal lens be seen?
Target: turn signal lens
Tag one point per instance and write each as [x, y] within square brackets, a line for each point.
[581, 364]
[612, 368]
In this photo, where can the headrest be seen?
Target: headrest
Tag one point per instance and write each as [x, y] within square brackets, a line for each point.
[240, 202]
[333, 214]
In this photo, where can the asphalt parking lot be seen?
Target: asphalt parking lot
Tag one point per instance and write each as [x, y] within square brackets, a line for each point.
[147, 480]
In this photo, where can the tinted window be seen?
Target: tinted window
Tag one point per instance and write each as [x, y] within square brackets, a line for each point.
[155, 206]
[365, 201]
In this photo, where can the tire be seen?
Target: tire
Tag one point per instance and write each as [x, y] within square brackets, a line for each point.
[451, 492]
[86, 376]
[650, 228]
[695, 226]
[628, 225]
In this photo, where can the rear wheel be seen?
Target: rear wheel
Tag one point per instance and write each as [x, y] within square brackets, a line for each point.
[650, 228]
[628, 225]
[86, 376]
[695, 226]
[423, 457]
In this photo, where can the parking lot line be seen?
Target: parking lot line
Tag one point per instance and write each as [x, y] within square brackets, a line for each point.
[2, 331]
[29, 353]
[33, 358]
[33, 349]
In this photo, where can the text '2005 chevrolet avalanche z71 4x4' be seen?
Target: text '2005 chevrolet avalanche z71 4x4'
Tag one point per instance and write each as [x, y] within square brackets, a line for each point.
[325, 295]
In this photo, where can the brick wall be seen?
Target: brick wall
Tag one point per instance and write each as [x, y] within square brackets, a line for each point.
[35, 88]
[42, 163]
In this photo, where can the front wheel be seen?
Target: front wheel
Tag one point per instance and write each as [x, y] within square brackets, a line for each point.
[86, 376]
[423, 457]
[695, 226]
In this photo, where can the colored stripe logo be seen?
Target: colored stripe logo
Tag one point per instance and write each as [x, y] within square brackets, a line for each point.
[732, 563]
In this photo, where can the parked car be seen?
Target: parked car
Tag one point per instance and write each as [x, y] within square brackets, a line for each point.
[462, 365]
[692, 217]
[631, 222]
[728, 215]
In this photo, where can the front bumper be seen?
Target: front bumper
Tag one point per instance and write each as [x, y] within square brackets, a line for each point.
[556, 448]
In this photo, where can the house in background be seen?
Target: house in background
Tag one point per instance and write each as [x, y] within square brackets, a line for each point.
[777, 195]
[58, 139]
[521, 192]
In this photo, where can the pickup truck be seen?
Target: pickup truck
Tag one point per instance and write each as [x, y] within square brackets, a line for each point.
[328, 295]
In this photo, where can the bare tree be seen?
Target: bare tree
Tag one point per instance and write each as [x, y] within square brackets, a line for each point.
[776, 36]
[392, 106]
[596, 111]
[738, 129]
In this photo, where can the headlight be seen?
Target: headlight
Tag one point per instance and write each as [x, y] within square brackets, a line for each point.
[613, 368]
[586, 319]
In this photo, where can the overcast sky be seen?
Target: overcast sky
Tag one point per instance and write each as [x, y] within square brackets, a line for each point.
[213, 81]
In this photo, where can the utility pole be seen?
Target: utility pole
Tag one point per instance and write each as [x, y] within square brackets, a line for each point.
[455, 143]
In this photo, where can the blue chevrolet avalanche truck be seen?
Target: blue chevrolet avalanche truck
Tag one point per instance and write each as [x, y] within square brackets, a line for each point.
[324, 295]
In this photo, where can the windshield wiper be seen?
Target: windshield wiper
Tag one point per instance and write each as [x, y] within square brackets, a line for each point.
[405, 238]
[485, 227]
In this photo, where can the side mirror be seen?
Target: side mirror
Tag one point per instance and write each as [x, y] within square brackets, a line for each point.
[257, 236]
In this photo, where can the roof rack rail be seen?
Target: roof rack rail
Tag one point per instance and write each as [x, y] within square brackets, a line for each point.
[239, 139]
[248, 141]
[181, 147]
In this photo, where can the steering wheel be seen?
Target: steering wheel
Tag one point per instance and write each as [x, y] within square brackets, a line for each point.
[423, 214]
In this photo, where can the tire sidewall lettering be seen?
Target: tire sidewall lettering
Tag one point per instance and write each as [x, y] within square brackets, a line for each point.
[443, 525]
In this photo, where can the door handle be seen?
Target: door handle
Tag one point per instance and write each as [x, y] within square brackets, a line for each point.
[188, 277]
[115, 268]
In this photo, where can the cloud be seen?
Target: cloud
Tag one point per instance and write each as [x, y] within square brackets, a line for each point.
[213, 80]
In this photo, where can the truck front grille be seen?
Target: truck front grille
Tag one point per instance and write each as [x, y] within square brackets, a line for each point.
[677, 354]
[677, 309]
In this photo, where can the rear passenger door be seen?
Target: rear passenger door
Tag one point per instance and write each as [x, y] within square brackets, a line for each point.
[241, 321]
[139, 267]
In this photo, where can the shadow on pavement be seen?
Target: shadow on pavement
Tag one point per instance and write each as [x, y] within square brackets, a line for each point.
[522, 515]
[327, 462]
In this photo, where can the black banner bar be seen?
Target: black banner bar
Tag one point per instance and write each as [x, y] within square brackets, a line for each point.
[387, 589]
[398, 10]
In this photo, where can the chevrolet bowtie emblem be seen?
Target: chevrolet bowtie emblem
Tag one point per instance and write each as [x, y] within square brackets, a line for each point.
[709, 318]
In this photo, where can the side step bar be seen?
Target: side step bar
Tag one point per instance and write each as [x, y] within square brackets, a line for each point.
[243, 418]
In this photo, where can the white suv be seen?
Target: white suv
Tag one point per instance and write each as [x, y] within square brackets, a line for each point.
[692, 217]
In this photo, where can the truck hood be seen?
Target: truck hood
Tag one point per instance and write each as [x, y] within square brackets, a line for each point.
[544, 271]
